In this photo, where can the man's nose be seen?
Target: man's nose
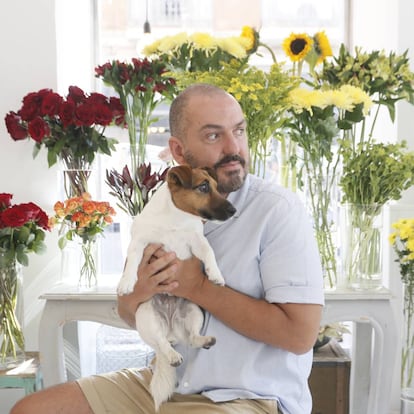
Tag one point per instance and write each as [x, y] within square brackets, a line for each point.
[231, 144]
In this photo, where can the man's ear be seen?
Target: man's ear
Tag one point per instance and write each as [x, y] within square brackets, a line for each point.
[176, 149]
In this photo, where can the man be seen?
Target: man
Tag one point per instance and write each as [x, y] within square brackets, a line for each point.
[265, 319]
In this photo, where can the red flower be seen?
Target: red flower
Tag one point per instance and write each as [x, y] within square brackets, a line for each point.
[85, 115]
[51, 104]
[14, 127]
[67, 113]
[14, 216]
[5, 200]
[38, 129]
[103, 114]
[76, 94]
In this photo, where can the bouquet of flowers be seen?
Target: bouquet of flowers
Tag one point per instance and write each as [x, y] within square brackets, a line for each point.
[123, 186]
[141, 84]
[83, 219]
[316, 120]
[402, 240]
[71, 129]
[22, 231]
[200, 52]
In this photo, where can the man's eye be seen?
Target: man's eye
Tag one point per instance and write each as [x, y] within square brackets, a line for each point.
[212, 137]
[240, 132]
[204, 187]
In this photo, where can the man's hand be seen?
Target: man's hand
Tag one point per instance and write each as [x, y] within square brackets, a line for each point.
[155, 275]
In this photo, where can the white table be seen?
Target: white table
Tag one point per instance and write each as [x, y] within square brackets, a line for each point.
[375, 329]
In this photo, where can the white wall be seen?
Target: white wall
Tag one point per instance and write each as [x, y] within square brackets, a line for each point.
[29, 62]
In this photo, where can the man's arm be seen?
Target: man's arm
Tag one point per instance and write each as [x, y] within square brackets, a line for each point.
[293, 327]
[290, 326]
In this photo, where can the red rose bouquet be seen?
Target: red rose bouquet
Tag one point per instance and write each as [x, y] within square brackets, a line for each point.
[71, 128]
[22, 231]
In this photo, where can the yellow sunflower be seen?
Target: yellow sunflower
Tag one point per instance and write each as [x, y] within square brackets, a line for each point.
[252, 38]
[322, 46]
[297, 46]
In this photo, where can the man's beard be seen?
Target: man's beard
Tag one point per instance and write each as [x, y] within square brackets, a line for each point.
[233, 179]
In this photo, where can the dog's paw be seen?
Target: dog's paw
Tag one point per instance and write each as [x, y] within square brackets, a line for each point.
[216, 279]
[209, 342]
[174, 358]
[126, 286]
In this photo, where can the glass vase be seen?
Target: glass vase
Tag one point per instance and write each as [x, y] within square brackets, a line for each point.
[79, 263]
[361, 228]
[321, 199]
[11, 313]
[76, 172]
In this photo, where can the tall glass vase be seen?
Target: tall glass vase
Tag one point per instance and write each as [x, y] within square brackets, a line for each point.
[361, 245]
[76, 173]
[11, 313]
[321, 198]
[407, 352]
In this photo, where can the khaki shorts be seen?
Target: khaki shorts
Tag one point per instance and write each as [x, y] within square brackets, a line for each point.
[127, 392]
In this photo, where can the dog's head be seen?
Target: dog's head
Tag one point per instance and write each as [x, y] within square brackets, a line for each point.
[194, 190]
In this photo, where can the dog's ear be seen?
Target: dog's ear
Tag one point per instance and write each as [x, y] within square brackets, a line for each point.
[180, 175]
[211, 172]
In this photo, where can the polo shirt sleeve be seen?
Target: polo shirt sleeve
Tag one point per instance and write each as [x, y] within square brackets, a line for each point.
[289, 258]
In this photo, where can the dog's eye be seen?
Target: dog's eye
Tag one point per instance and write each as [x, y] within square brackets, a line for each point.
[204, 187]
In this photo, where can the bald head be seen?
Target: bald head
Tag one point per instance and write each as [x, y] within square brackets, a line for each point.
[178, 116]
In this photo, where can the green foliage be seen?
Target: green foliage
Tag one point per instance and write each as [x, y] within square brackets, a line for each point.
[375, 173]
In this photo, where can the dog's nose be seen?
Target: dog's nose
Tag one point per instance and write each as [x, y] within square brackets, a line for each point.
[230, 210]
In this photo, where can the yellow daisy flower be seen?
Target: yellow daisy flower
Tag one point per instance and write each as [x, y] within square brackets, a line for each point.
[233, 46]
[297, 46]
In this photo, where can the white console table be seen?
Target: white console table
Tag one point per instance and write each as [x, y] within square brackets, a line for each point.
[374, 347]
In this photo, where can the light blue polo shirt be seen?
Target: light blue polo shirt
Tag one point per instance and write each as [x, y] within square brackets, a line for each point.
[267, 250]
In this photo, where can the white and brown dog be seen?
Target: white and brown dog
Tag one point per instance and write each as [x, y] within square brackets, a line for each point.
[174, 217]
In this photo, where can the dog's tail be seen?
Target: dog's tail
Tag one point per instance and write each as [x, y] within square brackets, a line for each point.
[163, 380]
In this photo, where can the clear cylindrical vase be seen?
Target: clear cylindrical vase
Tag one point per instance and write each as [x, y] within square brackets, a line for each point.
[361, 228]
[11, 313]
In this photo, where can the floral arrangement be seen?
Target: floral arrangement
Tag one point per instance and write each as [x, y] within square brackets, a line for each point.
[22, 231]
[402, 241]
[317, 117]
[123, 187]
[200, 52]
[84, 219]
[71, 128]
[141, 84]
[262, 95]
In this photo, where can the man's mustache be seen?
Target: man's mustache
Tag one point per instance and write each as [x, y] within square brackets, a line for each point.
[230, 158]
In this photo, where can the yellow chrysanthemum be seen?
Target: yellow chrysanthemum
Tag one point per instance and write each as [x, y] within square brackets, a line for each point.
[233, 46]
[322, 46]
[297, 46]
[304, 99]
[203, 41]
[169, 43]
[358, 96]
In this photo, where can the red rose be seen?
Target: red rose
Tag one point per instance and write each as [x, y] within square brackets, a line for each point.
[5, 200]
[14, 126]
[103, 114]
[15, 216]
[38, 129]
[51, 104]
[118, 111]
[85, 115]
[32, 103]
[67, 113]
[97, 99]
[76, 95]
[42, 220]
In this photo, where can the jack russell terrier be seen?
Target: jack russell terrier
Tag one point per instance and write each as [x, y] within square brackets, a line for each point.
[174, 217]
